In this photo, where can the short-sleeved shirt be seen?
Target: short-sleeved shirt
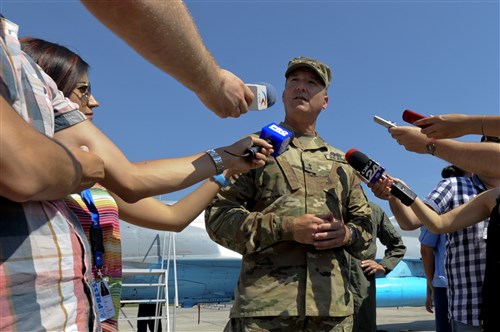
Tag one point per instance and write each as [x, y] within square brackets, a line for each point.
[44, 266]
[279, 276]
[438, 243]
[465, 259]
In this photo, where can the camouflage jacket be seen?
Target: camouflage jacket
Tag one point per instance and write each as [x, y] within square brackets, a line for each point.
[254, 217]
[388, 237]
[363, 286]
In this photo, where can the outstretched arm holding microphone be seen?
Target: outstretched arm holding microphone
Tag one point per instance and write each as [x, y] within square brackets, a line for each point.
[451, 208]
[457, 125]
[433, 137]
[164, 33]
[470, 213]
[472, 245]
[420, 214]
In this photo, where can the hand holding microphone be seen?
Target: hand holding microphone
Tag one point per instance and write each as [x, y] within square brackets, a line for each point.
[230, 97]
[382, 188]
[275, 135]
[233, 160]
[372, 172]
[278, 137]
[226, 95]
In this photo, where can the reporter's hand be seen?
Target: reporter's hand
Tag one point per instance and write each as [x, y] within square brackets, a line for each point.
[92, 167]
[382, 188]
[446, 125]
[411, 138]
[230, 99]
[240, 164]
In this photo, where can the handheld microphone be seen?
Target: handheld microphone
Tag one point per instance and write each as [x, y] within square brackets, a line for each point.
[265, 96]
[275, 135]
[372, 171]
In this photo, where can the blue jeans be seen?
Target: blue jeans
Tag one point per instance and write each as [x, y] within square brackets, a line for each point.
[461, 327]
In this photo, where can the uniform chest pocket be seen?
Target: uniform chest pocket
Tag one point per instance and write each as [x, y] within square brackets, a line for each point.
[274, 185]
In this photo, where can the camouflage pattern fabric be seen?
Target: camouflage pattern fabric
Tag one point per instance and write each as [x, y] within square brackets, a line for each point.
[295, 324]
[254, 217]
[318, 67]
[363, 286]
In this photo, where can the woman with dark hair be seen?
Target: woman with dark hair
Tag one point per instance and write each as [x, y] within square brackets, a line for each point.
[453, 171]
[131, 184]
[65, 67]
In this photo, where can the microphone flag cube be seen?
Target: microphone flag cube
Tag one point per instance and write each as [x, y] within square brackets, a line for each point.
[277, 136]
[260, 101]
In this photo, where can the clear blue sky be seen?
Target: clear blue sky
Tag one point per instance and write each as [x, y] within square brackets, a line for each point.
[433, 57]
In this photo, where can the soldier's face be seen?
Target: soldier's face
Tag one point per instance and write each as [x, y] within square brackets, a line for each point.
[304, 92]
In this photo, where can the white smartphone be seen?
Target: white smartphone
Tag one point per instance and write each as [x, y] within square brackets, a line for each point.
[383, 122]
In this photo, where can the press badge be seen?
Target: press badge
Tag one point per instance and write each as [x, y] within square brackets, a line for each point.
[103, 299]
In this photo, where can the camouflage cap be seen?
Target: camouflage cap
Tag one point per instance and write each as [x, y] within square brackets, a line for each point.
[320, 68]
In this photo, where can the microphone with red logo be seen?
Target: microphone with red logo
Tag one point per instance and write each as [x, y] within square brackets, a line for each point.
[265, 96]
[372, 171]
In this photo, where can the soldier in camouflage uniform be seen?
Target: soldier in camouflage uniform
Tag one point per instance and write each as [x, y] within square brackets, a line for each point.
[294, 221]
[363, 271]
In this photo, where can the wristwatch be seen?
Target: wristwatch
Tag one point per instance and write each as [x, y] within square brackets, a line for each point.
[219, 165]
[221, 180]
[431, 147]
[354, 235]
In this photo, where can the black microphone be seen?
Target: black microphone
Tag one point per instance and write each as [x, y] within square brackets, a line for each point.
[275, 135]
[372, 171]
[265, 96]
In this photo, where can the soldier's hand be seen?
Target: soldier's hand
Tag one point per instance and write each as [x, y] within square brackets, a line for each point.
[371, 267]
[305, 228]
[330, 235]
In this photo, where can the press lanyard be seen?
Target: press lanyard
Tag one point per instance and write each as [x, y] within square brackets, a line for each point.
[96, 239]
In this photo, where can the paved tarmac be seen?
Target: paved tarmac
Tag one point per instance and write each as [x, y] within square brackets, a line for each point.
[213, 317]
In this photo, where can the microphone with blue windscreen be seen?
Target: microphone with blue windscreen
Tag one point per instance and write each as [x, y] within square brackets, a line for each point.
[275, 135]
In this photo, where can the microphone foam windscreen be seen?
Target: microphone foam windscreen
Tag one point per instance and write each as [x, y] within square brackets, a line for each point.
[356, 159]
